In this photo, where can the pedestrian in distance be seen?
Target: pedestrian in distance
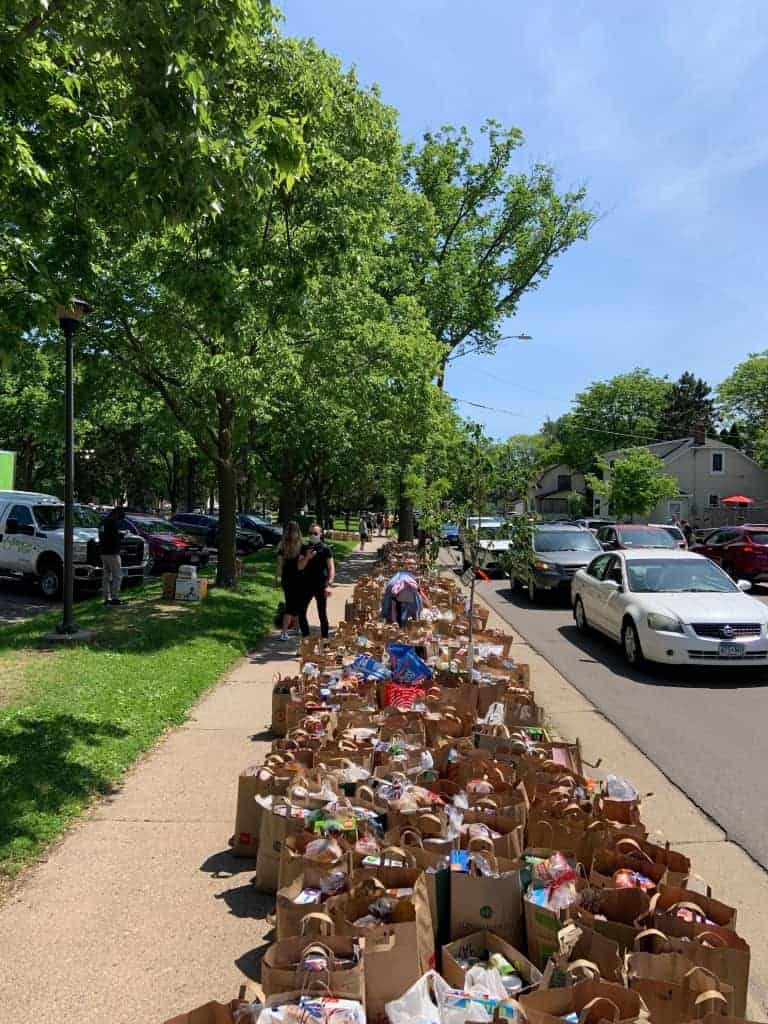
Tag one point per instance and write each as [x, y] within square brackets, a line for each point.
[362, 529]
[110, 536]
[687, 529]
[287, 572]
[317, 572]
[380, 523]
[346, 521]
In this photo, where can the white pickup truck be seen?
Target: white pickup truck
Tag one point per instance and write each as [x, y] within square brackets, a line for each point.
[32, 543]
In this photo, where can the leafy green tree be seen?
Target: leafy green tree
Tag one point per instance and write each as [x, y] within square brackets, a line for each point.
[611, 414]
[116, 119]
[733, 435]
[743, 396]
[689, 403]
[635, 484]
[484, 236]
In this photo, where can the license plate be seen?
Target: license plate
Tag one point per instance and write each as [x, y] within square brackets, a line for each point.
[731, 650]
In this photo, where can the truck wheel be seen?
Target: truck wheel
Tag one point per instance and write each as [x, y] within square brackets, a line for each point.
[52, 579]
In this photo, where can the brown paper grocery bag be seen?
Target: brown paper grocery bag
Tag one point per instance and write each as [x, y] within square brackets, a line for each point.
[274, 830]
[480, 945]
[677, 864]
[396, 955]
[592, 1001]
[543, 925]
[674, 989]
[281, 969]
[620, 914]
[259, 780]
[706, 911]
[719, 950]
[479, 902]
[582, 951]
[605, 864]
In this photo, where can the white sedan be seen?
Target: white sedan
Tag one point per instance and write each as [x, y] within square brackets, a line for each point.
[673, 607]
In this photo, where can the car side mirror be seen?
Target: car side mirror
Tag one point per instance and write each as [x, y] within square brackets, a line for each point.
[612, 585]
[27, 529]
[12, 526]
[744, 585]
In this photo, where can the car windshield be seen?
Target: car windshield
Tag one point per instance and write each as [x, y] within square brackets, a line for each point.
[488, 532]
[155, 526]
[674, 532]
[650, 538]
[51, 517]
[565, 540]
[681, 576]
[758, 538]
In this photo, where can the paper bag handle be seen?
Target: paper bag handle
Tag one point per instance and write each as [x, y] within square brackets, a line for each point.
[481, 843]
[587, 966]
[648, 933]
[634, 846]
[407, 858]
[598, 1000]
[687, 905]
[710, 996]
[719, 941]
[367, 793]
[321, 919]
[410, 837]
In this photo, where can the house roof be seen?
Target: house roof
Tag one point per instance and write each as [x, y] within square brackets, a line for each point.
[661, 449]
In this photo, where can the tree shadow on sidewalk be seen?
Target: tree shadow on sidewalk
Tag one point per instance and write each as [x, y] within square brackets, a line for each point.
[225, 865]
[245, 901]
[42, 778]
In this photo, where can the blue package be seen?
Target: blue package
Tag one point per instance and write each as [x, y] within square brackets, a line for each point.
[406, 665]
[369, 667]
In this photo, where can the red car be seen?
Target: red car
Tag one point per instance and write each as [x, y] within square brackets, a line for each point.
[741, 550]
[168, 546]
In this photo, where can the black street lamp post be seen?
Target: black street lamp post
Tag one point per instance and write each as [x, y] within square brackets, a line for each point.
[69, 318]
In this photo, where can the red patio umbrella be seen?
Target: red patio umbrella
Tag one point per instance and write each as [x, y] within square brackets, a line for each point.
[738, 499]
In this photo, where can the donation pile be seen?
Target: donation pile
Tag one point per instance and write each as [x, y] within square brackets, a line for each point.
[437, 856]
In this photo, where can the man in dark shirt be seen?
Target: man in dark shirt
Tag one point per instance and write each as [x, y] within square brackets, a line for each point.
[112, 566]
[316, 572]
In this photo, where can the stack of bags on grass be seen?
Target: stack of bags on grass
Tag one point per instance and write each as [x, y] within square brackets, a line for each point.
[437, 856]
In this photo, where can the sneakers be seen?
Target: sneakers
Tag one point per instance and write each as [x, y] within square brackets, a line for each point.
[283, 636]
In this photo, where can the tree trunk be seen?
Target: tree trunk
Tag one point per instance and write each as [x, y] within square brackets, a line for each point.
[173, 489]
[190, 483]
[288, 502]
[226, 477]
[405, 511]
[441, 372]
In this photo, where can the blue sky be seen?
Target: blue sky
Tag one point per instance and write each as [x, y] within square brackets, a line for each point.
[659, 107]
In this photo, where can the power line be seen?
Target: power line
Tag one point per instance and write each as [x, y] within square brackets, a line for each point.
[645, 438]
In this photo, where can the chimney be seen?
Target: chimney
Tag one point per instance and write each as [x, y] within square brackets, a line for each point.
[700, 434]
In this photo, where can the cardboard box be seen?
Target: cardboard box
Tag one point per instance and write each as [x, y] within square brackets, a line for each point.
[191, 590]
[169, 586]
[481, 945]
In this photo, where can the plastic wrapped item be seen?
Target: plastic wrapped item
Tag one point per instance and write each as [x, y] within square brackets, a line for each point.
[626, 878]
[333, 883]
[557, 880]
[369, 668]
[618, 788]
[323, 851]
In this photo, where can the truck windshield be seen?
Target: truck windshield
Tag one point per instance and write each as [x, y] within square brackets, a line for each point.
[51, 517]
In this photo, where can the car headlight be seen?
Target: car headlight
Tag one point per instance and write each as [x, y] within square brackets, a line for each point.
[542, 565]
[664, 623]
[80, 552]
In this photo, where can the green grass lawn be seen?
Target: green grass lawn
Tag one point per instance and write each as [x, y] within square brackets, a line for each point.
[73, 721]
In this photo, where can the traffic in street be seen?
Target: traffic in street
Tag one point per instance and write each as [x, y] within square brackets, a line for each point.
[703, 727]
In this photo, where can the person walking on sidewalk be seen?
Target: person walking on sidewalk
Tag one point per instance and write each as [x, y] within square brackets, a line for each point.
[287, 571]
[317, 572]
[110, 536]
[362, 530]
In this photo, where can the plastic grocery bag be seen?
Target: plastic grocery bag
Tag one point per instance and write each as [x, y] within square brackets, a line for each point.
[368, 667]
[431, 1000]
[406, 665]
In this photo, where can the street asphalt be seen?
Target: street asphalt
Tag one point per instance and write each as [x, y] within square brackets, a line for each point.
[705, 729]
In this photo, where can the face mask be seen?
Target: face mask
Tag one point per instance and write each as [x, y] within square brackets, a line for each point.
[314, 539]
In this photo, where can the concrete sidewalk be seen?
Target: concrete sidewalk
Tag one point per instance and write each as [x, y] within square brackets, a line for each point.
[141, 913]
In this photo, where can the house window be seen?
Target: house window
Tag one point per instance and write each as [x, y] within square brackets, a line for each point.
[718, 465]
[714, 501]
[675, 509]
[564, 482]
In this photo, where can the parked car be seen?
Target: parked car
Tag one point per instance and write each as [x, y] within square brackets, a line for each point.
[674, 607]
[675, 532]
[269, 532]
[593, 524]
[32, 543]
[168, 546]
[622, 536]
[742, 551]
[449, 535]
[491, 545]
[206, 529]
[559, 552]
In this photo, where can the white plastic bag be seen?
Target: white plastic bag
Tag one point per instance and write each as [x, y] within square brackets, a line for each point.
[417, 1006]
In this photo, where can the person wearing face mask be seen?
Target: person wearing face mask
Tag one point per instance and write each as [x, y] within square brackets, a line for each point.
[317, 571]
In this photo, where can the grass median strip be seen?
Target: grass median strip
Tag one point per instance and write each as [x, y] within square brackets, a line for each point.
[75, 720]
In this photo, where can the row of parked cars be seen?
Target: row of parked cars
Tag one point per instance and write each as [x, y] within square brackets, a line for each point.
[643, 586]
[32, 541]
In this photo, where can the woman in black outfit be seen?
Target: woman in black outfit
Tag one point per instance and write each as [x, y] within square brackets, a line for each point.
[287, 569]
[317, 571]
